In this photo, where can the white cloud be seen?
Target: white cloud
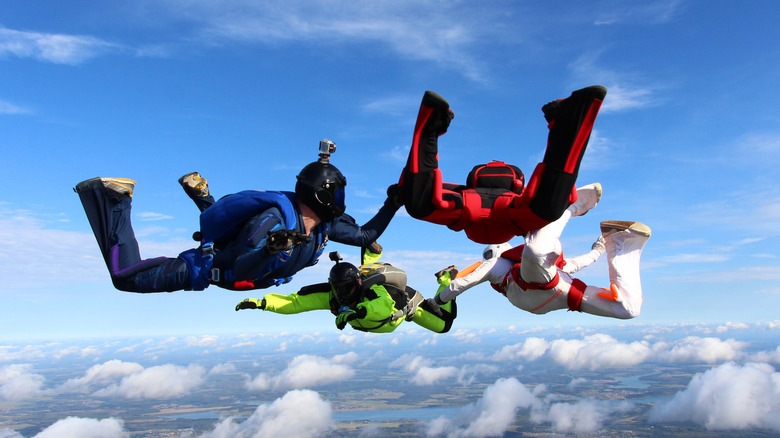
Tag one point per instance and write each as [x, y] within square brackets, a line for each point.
[696, 349]
[422, 372]
[9, 353]
[465, 336]
[77, 351]
[767, 356]
[347, 339]
[468, 373]
[491, 415]
[202, 341]
[732, 326]
[346, 358]
[497, 410]
[101, 374]
[410, 363]
[297, 414]
[55, 48]
[164, 381]
[306, 371]
[17, 382]
[727, 397]
[597, 352]
[584, 416]
[85, 428]
[432, 375]
[223, 368]
[531, 349]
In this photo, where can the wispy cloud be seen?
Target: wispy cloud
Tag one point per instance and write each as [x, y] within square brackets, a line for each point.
[625, 90]
[442, 33]
[10, 108]
[49, 47]
[651, 12]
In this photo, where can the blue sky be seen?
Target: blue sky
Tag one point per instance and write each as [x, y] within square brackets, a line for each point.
[242, 91]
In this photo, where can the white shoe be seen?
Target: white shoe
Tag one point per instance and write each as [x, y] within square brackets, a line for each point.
[587, 197]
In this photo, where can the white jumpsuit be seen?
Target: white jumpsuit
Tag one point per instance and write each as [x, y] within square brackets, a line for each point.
[538, 268]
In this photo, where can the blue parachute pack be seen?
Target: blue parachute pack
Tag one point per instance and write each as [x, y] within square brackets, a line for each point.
[223, 220]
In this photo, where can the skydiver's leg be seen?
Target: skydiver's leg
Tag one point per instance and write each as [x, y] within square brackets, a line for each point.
[437, 320]
[197, 188]
[623, 300]
[421, 182]
[108, 213]
[571, 122]
[542, 249]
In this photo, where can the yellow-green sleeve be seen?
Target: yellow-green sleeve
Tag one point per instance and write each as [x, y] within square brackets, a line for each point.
[295, 303]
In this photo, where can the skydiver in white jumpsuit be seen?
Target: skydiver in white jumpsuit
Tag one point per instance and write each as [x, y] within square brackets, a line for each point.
[535, 277]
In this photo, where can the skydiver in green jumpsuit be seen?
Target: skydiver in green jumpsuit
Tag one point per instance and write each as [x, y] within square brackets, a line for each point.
[372, 298]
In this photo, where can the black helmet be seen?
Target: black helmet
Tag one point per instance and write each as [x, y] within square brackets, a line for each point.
[346, 281]
[320, 187]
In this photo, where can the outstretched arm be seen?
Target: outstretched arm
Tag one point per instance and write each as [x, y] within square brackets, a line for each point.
[345, 230]
[574, 264]
[313, 297]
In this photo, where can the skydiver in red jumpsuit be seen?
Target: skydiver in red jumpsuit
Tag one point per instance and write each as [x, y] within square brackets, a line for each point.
[498, 205]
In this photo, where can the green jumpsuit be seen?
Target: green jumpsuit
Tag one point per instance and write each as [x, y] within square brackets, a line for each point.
[376, 312]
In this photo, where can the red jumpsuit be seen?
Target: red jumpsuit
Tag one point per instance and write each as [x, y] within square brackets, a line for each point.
[495, 215]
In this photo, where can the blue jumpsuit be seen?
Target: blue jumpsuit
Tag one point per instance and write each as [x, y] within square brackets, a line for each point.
[242, 260]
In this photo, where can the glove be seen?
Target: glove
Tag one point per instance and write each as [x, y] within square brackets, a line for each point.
[435, 307]
[345, 315]
[251, 303]
[282, 240]
[599, 245]
[394, 197]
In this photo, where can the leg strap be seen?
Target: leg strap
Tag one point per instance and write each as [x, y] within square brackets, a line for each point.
[576, 292]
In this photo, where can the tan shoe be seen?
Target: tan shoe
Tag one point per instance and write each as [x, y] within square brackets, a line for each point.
[121, 187]
[194, 184]
[609, 227]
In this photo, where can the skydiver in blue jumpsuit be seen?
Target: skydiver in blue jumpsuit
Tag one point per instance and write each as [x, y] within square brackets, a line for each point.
[249, 240]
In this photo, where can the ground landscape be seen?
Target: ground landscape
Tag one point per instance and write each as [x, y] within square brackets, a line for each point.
[414, 384]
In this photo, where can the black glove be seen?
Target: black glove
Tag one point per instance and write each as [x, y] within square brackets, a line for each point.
[251, 303]
[394, 197]
[282, 240]
[345, 315]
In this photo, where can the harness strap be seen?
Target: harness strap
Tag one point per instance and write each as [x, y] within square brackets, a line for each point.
[409, 310]
[515, 273]
[576, 292]
[472, 203]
